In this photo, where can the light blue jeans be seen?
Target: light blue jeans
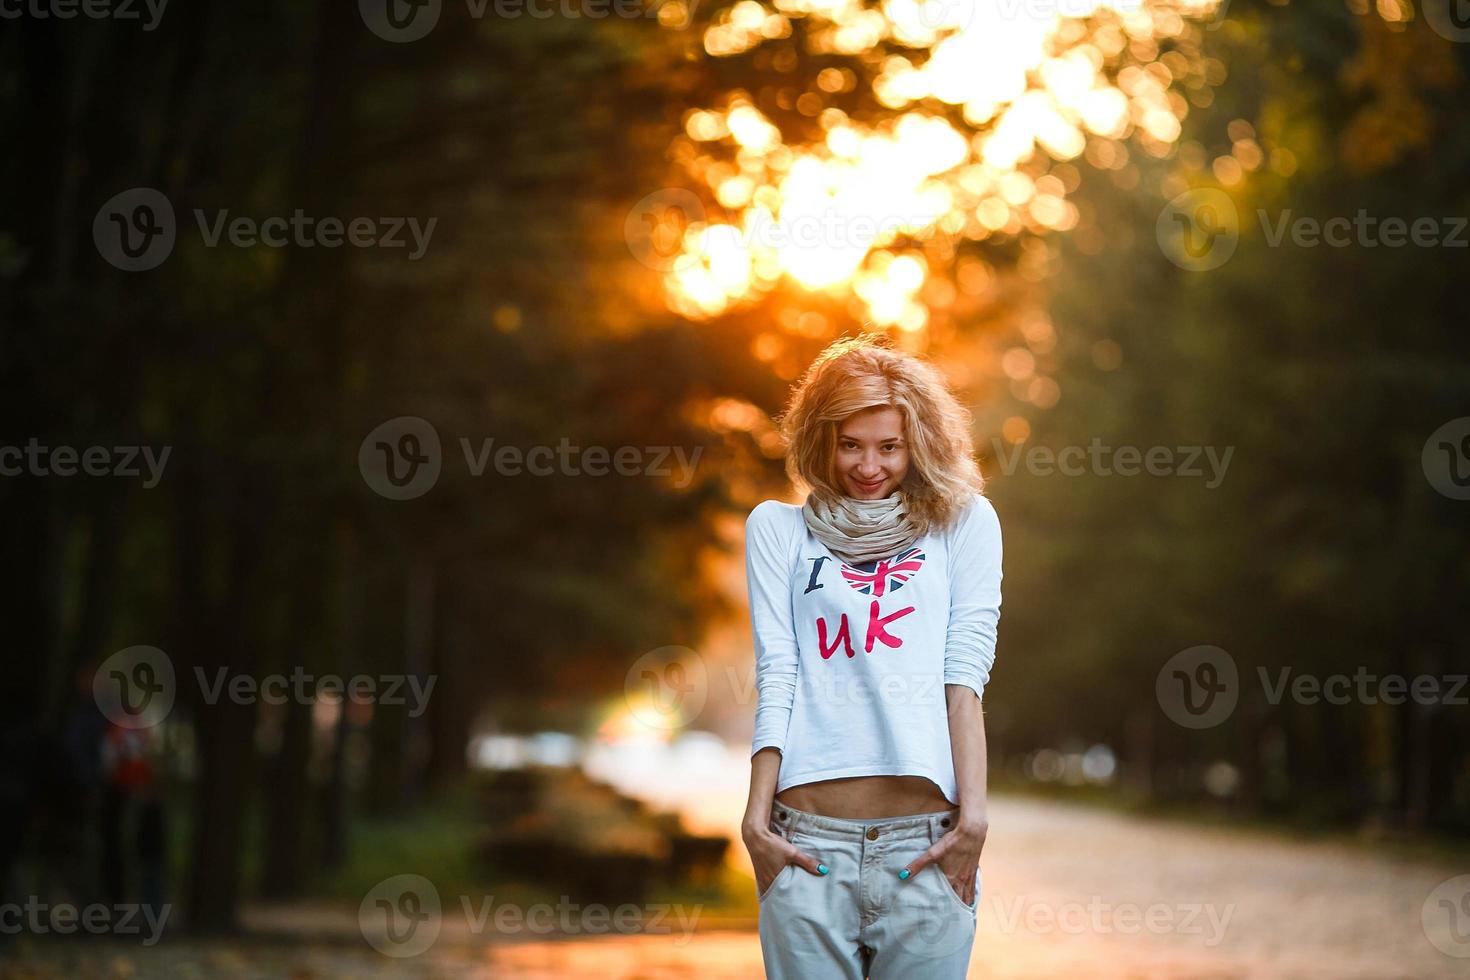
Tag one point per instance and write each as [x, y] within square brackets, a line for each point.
[860, 920]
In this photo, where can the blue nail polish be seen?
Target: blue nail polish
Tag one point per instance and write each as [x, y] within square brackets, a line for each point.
[904, 874]
[822, 869]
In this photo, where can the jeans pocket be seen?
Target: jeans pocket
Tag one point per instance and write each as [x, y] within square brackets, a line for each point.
[786, 870]
[949, 889]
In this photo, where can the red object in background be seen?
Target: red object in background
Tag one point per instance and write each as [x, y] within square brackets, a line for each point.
[125, 758]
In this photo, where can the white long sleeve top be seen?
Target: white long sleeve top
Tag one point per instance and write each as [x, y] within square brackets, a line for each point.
[852, 660]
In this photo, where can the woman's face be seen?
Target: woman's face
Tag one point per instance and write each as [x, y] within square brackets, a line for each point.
[872, 456]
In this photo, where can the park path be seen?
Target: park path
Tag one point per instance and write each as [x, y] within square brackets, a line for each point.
[1072, 891]
[1069, 891]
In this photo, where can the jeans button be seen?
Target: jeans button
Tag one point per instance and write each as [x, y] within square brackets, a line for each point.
[872, 833]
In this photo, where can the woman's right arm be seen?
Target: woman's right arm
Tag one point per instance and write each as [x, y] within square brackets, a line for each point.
[768, 577]
[764, 768]
[768, 571]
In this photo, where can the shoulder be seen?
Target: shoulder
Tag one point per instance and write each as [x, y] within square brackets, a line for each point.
[772, 510]
[773, 513]
[977, 519]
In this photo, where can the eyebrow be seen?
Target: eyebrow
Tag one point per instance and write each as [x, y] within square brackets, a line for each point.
[841, 436]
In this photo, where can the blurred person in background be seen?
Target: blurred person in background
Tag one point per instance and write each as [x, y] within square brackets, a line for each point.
[133, 838]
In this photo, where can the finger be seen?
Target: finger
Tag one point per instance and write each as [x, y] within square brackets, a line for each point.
[805, 860]
[920, 863]
[964, 884]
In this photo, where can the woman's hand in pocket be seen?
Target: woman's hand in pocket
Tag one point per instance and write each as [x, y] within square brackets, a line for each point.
[956, 855]
[770, 852]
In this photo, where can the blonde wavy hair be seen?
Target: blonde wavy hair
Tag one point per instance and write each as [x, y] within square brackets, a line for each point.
[864, 372]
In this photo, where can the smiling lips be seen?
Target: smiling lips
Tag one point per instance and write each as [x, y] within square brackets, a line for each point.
[870, 486]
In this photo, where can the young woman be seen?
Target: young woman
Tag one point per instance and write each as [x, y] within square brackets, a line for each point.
[874, 608]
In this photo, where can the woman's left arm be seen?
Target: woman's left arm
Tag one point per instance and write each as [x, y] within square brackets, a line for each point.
[969, 653]
[967, 743]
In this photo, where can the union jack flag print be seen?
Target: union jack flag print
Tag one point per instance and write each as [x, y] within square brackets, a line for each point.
[876, 578]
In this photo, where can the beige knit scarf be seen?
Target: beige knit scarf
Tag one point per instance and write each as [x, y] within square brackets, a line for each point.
[859, 531]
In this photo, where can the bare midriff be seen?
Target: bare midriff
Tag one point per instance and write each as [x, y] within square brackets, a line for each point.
[867, 797]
